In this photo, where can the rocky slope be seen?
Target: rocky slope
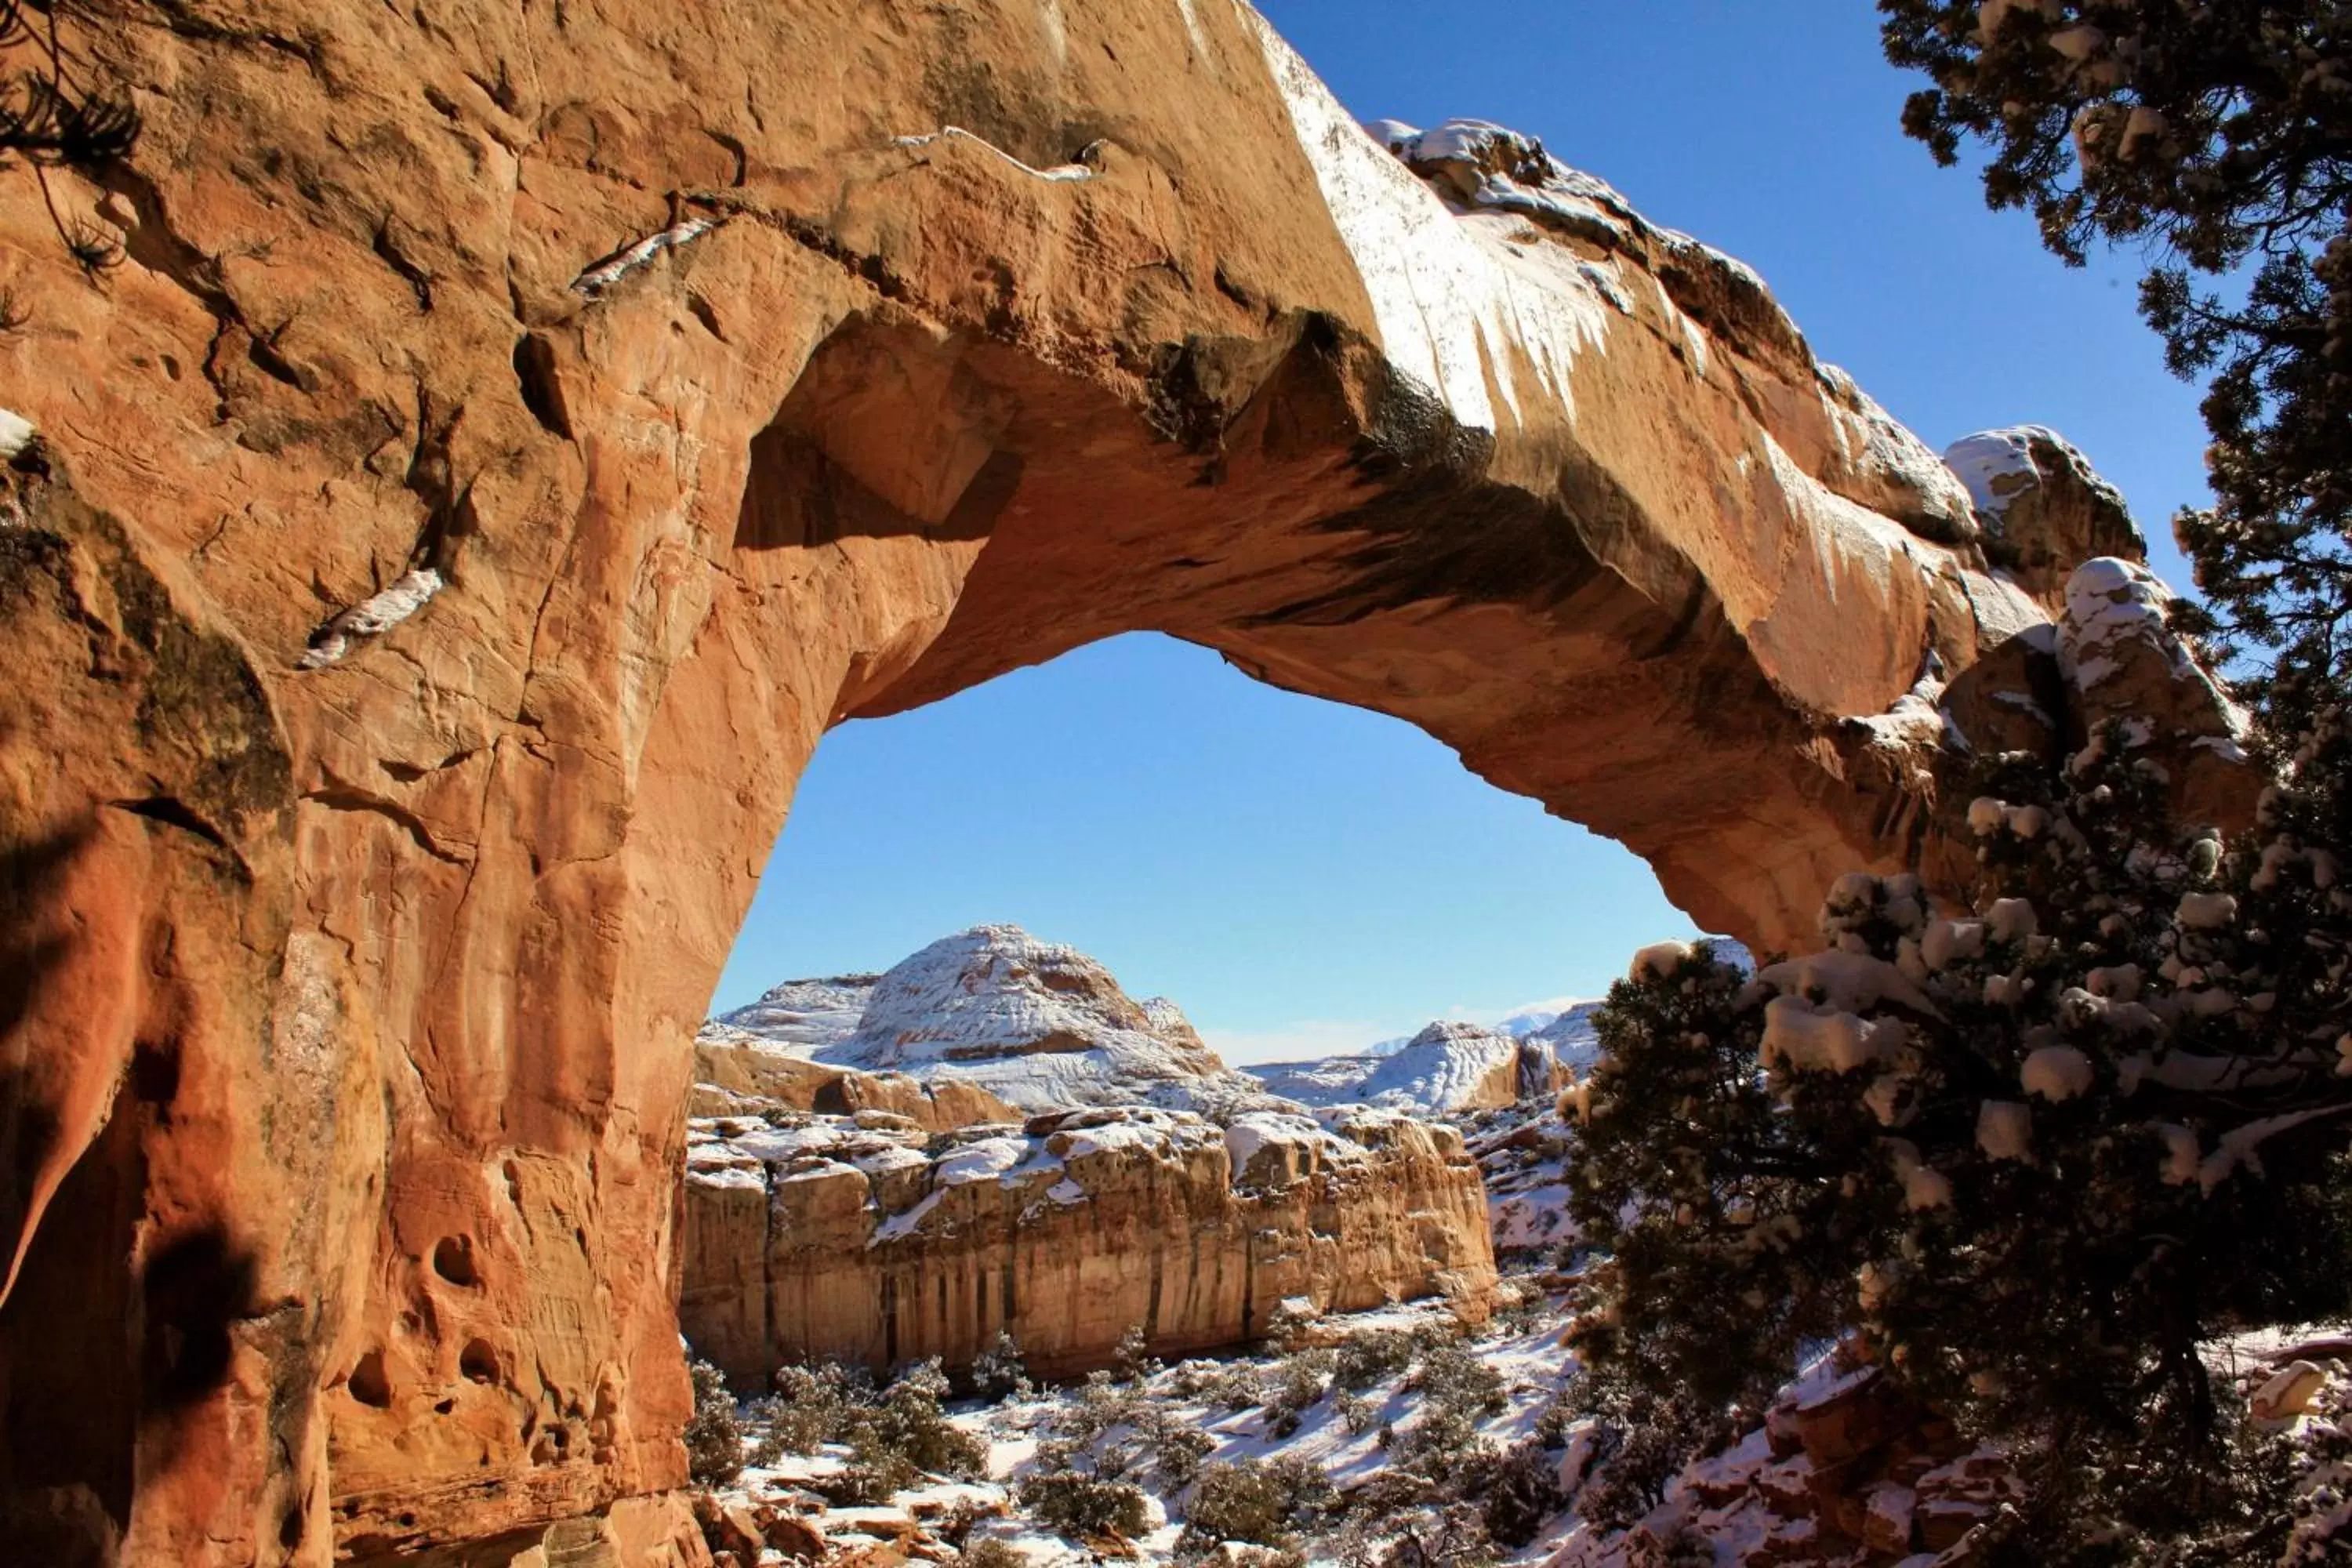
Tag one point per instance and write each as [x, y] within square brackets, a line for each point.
[513, 434]
[995, 1012]
[868, 1241]
[1447, 1068]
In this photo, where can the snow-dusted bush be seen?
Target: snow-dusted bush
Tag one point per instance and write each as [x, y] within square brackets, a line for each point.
[895, 1436]
[991, 1552]
[999, 1372]
[811, 1408]
[1076, 1504]
[1133, 1360]
[714, 1437]
[2035, 1152]
[1376, 1355]
[1265, 1502]
[1298, 1384]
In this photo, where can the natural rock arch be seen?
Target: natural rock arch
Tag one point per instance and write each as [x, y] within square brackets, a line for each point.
[513, 439]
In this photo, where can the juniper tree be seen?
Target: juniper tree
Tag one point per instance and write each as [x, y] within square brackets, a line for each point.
[2034, 1157]
[2219, 136]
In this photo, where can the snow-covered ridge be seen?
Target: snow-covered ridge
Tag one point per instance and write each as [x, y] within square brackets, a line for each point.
[1040, 1024]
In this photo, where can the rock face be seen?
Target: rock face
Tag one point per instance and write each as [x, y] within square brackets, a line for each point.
[874, 1243]
[751, 1077]
[515, 434]
[1449, 1067]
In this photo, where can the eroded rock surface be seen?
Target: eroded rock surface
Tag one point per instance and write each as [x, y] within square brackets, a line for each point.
[868, 1241]
[516, 433]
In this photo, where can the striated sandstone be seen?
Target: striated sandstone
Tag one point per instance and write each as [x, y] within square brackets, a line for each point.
[826, 1239]
[516, 433]
[747, 1078]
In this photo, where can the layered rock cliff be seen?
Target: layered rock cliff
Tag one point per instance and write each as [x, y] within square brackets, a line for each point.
[514, 434]
[868, 1241]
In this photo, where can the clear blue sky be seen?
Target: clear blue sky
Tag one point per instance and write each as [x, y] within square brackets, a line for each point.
[1304, 878]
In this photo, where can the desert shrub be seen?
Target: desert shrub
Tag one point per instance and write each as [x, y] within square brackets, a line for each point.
[1264, 1502]
[999, 1372]
[1298, 1384]
[993, 1553]
[914, 1421]
[1356, 1413]
[1133, 1362]
[1372, 1357]
[812, 1407]
[1399, 1522]
[714, 1434]
[1076, 1504]
[895, 1436]
[1517, 1490]
[1451, 1378]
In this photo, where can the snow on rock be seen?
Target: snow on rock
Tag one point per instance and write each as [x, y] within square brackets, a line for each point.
[1459, 307]
[1997, 465]
[1039, 1026]
[16, 433]
[1448, 1067]
[809, 1235]
[1658, 961]
[372, 617]
[2111, 601]
[805, 1012]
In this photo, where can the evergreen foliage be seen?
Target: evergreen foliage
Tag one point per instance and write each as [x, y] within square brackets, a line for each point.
[2219, 136]
[714, 1434]
[2034, 1159]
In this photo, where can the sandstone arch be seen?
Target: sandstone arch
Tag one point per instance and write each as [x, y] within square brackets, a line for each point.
[515, 436]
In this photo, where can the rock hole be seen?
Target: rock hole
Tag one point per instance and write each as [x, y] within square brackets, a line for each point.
[368, 1382]
[542, 389]
[443, 1406]
[171, 367]
[479, 1363]
[706, 315]
[513, 1175]
[453, 1259]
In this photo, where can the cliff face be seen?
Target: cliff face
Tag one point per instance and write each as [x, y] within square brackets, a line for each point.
[515, 434]
[876, 1244]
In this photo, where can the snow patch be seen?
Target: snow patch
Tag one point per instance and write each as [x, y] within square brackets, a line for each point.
[372, 617]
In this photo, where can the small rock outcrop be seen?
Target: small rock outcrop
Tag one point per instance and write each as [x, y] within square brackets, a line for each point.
[868, 1240]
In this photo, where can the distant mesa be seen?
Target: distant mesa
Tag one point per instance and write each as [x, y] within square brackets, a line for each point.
[1041, 1026]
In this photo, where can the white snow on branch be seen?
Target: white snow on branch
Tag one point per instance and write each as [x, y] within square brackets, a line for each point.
[2055, 1073]
[622, 262]
[2005, 1130]
[372, 617]
[2243, 1146]
[1059, 172]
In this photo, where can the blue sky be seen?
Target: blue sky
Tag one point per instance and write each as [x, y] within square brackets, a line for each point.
[1305, 877]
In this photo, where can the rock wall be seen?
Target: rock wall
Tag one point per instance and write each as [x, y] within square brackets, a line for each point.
[746, 1078]
[513, 434]
[871, 1243]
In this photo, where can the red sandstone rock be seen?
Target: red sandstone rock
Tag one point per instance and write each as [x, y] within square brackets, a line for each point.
[517, 433]
[819, 1240]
